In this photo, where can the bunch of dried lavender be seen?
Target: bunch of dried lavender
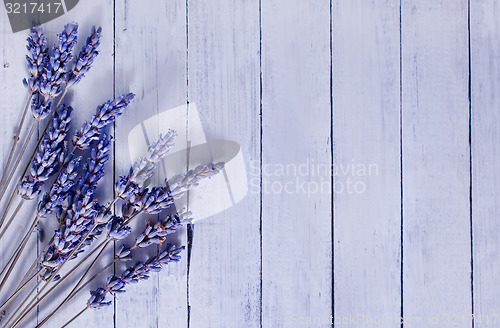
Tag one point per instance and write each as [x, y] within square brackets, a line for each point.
[48, 79]
[71, 197]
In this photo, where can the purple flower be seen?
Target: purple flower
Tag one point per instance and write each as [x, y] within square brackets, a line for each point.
[85, 58]
[140, 271]
[105, 115]
[116, 229]
[59, 190]
[36, 59]
[55, 72]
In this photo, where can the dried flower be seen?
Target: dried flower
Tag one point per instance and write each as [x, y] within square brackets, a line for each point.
[116, 229]
[55, 72]
[59, 190]
[140, 271]
[85, 58]
[180, 184]
[45, 161]
[156, 233]
[105, 114]
[143, 169]
[36, 59]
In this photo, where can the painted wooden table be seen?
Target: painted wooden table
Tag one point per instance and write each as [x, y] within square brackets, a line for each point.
[369, 129]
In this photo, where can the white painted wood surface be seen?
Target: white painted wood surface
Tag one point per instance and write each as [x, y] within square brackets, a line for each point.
[367, 208]
[435, 132]
[485, 51]
[389, 80]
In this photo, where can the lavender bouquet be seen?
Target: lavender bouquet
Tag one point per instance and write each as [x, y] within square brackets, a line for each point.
[61, 178]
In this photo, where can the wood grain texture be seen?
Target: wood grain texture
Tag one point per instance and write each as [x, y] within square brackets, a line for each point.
[436, 236]
[223, 66]
[485, 119]
[296, 129]
[151, 61]
[367, 175]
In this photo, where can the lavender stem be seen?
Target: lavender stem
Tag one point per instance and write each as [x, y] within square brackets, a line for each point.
[74, 318]
[34, 150]
[24, 282]
[15, 140]
[18, 254]
[4, 215]
[16, 211]
[20, 288]
[16, 164]
[73, 290]
[37, 299]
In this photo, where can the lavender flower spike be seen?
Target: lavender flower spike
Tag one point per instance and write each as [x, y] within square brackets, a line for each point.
[156, 233]
[55, 72]
[133, 274]
[59, 190]
[36, 59]
[85, 58]
[180, 184]
[105, 114]
[143, 169]
[45, 160]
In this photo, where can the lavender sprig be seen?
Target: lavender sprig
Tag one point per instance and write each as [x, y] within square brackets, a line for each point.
[85, 58]
[140, 271]
[55, 73]
[180, 184]
[105, 114]
[45, 161]
[59, 190]
[82, 210]
[36, 59]
[156, 233]
[143, 169]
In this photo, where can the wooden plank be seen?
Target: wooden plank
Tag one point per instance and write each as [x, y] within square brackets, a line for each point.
[296, 125]
[436, 252]
[151, 62]
[224, 275]
[485, 63]
[367, 209]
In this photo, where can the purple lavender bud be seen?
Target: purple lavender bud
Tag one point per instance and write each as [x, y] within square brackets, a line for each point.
[105, 115]
[123, 254]
[161, 147]
[104, 214]
[55, 72]
[40, 107]
[115, 285]
[29, 189]
[59, 190]
[45, 160]
[142, 170]
[36, 59]
[116, 230]
[86, 57]
[97, 299]
[180, 184]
